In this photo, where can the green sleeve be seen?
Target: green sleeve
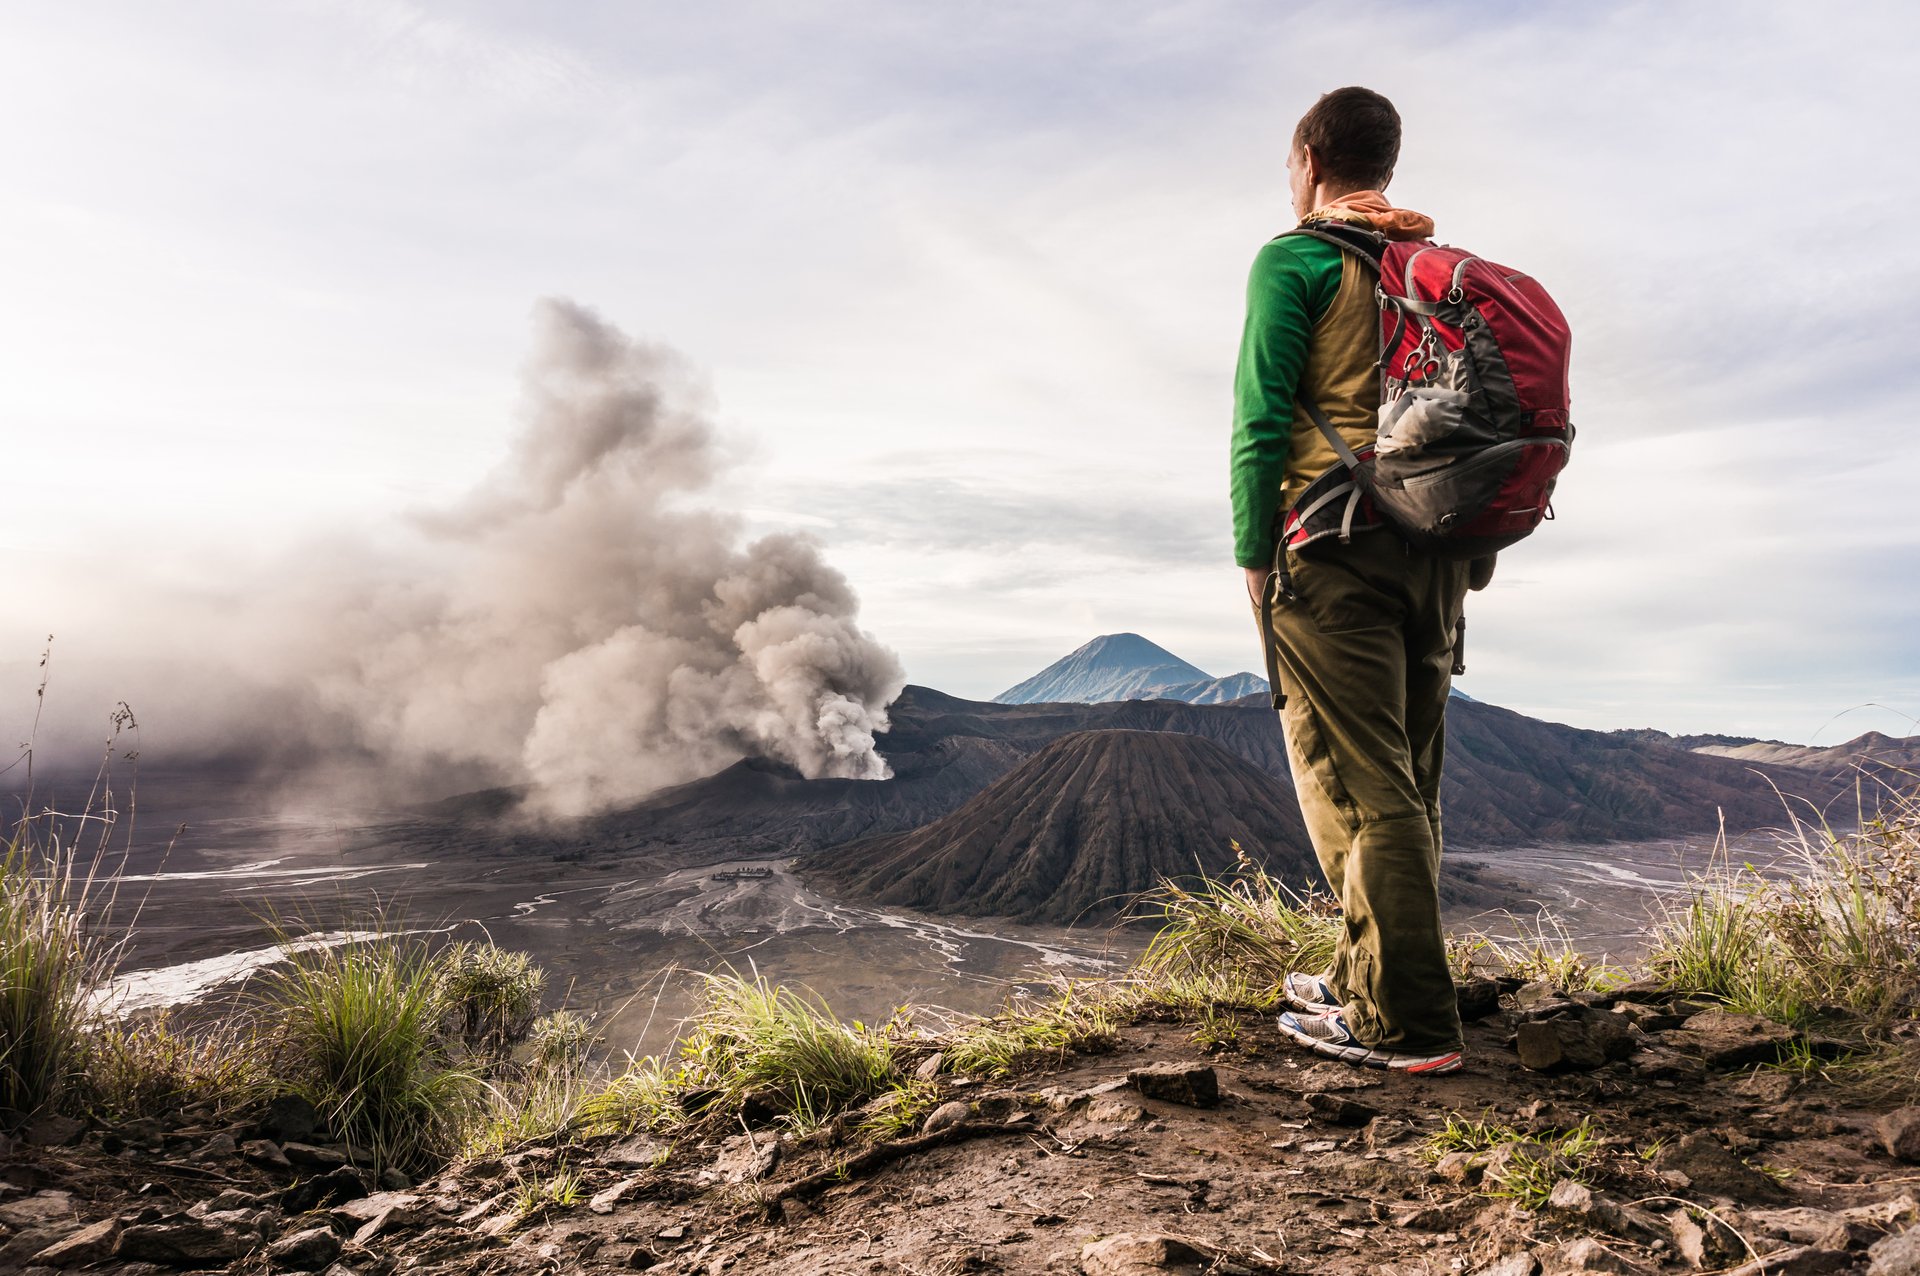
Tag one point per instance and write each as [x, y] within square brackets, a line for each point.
[1293, 282]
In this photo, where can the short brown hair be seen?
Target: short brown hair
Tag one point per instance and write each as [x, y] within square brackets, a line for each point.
[1355, 133]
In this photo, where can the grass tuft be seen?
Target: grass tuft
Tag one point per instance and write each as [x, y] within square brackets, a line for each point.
[49, 967]
[1533, 948]
[490, 995]
[1837, 938]
[1248, 928]
[753, 1037]
[782, 1047]
[149, 1068]
[1077, 1019]
[360, 1025]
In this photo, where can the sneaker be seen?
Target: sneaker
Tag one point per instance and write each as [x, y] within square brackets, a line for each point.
[1311, 993]
[1328, 1034]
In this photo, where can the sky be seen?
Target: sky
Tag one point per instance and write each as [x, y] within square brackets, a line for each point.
[963, 284]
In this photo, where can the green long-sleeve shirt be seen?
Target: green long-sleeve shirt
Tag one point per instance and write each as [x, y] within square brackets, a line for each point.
[1292, 284]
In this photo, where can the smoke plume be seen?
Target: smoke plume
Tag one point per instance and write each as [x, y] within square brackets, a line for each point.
[576, 624]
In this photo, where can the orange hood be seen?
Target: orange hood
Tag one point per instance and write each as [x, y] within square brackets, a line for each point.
[1370, 208]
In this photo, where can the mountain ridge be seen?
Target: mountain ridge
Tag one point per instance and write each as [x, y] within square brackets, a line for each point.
[1126, 666]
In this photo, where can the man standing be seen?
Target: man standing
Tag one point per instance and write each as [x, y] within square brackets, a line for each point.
[1361, 629]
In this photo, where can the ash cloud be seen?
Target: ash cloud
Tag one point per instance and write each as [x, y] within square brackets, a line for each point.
[576, 624]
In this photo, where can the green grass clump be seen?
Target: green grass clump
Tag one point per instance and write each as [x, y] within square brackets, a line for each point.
[150, 1068]
[643, 1096]
[49, 968]
[900, 1110]
[1078, 1019]
[534, 1196]
[753, 1037]
[491, 996]
[562, 1042]
[360, 1027]
[1836, 938]
[541, 1102]
[1248, 927]
[781, 1046]
[1533, 948]
[1537, 1161]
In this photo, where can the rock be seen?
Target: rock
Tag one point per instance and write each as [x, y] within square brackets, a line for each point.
[289, 1119]
[265, 1154]
[53, 1131]
[1576, 1201]
[1477, 998]
[946, 1116]
[368, 1216]
[1766, 1087]
[1334, 1077]
[1337, 1109]
[1703, 1241]
[1708, 1167]
[311, 1157]
[1518, 1263]
[931, 1066]
[1897, 1255]
[1448, 1216]
[1573, 1042]
[1801, 1226]
[1463, 1168]
[1384, 1132]
[16, 1249]
[1727, 1040]
[1587, 1255]
[183, 1242]
[1882, 1215]
[1899, 1133]
[393, 1180]
[1656, 1063]
[1108, 1110]
[1537, 992]
[1193, 1084]
[1139, 1254]
[605, 1201]
[91, 1244]
[220, 1145]
[231, 1198]
[305, 1250]
[1801, 1260]
[332, 1188]
[745, 1160]
[38, 1210]
[1647, 1018]
[639, 1153]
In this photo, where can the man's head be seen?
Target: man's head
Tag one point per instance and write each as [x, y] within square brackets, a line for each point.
[1347, 141]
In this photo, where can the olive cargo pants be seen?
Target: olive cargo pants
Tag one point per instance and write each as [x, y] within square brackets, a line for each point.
[1364, 654]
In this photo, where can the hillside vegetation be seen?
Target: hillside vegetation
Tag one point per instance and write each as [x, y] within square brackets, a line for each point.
[394, 1102]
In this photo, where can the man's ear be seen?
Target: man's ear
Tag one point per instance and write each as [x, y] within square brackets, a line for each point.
[1310, 166]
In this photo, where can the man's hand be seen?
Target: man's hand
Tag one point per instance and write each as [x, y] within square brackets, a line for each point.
[1257, 584]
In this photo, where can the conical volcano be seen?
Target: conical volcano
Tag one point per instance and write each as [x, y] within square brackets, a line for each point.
[1077, 830]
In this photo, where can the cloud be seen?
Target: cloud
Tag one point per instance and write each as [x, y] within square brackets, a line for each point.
[1010, 243]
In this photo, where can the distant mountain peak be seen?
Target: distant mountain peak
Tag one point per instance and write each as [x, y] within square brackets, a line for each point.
[1112, 667]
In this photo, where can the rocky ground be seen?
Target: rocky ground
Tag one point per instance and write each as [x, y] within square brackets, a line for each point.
[1647, 1135]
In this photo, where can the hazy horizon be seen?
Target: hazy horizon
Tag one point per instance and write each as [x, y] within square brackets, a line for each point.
[959, 295]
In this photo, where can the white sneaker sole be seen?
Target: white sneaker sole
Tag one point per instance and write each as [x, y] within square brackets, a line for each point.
[1383, 1060]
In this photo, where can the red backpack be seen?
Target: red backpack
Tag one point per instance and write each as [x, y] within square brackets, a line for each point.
[1473, 404]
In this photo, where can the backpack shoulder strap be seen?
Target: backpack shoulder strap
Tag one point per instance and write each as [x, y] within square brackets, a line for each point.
[1368, 245]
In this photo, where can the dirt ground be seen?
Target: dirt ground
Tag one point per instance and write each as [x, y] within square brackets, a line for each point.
[1155, 1156]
